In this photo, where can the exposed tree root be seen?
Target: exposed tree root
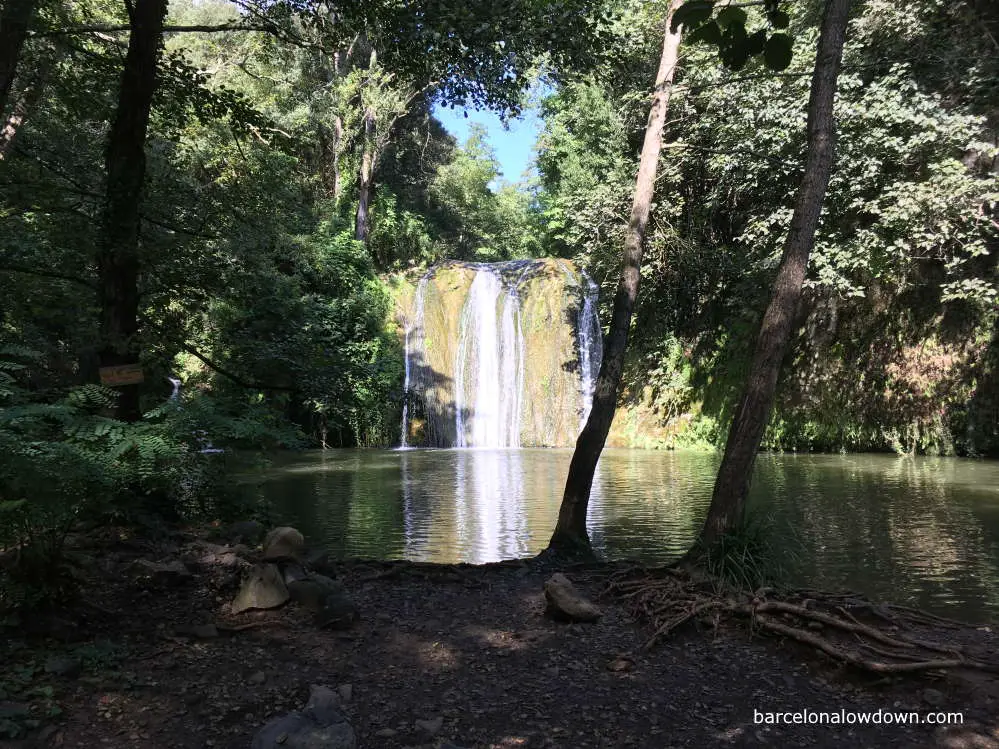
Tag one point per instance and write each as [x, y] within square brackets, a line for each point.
[878, 638]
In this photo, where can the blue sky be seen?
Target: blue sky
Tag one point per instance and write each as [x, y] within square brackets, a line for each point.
[514, 147]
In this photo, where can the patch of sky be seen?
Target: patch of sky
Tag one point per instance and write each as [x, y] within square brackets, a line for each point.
[513, 142]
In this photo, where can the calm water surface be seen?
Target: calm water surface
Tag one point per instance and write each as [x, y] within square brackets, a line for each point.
[921, 531]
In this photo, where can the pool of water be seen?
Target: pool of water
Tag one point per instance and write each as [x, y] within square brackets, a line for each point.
[920, 531]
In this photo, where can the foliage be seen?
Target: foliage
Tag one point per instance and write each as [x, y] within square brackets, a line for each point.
[900, 317]
[748, 557]
[64, 462]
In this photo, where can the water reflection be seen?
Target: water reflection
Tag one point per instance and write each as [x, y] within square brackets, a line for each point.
[918, 531]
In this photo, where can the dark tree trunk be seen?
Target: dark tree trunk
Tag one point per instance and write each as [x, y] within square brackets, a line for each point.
[732, 484]
[118, 254]
[570, 537]
[14, 20]
[362, 221]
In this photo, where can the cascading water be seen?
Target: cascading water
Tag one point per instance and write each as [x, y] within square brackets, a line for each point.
[500, 355]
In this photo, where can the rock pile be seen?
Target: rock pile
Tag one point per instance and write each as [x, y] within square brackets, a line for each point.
[286, 571]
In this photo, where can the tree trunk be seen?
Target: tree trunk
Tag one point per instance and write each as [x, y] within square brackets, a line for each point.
[570, 537]
[337, 141]
[25, 102]
[14, 20]
[118, 254]
[732, 484]
[362, 221]
[13, 122]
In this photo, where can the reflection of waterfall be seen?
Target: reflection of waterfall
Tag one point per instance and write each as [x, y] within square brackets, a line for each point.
[417, 323]
[489, 492]
[500, 355]
[590, 346]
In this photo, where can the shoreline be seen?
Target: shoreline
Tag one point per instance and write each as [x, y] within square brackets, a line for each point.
[441, 655]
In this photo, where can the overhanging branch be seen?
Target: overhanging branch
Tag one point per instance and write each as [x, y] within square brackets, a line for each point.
[217, 368]
[26, 270]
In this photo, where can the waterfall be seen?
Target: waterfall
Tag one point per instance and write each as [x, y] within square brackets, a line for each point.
[500, 355]
[486, 366]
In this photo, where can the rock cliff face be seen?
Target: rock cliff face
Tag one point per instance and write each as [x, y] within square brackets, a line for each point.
[499, 354]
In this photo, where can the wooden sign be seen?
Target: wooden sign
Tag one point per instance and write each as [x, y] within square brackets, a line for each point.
[123, 374]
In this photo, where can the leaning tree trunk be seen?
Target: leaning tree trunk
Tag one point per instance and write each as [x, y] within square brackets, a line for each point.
[118, 254]
[365, 178]
[14, 21]
[26, 101]
[732, 484]
[570, 537]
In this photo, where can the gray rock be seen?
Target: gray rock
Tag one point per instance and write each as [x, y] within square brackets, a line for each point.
[320, 560]
[337, 612]
[346, 692]
[322, 725]
[430, 727]
[284, 543]
[292, 571]
[246, 531]
[60, 665]
[933, 696]
[313, 592]
[258, 677]
[385, 733]
[263, 588]
[163, 573]
[566, 603]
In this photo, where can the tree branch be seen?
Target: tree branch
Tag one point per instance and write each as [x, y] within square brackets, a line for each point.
[46, 274]
[203, 28]
[233, 377]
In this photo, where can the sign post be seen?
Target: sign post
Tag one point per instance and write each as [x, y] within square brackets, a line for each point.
[122, 374]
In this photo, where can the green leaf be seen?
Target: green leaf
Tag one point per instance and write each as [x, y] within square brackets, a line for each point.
[778, 52]
[11, 505]
[728, 16]
[779, 19]
[709, 33]
[756, 42]
[692, 13]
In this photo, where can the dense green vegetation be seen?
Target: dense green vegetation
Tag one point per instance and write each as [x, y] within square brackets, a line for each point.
[294, 168]
[899, 342]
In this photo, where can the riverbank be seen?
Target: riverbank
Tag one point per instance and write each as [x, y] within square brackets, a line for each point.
[440, 656]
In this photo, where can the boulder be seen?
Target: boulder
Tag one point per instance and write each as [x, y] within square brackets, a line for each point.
[565, 603]
[321, 725]
[313, 591]
[284, 543]
[263, 588]
[292, 571]
[321, 561]
[244, 531]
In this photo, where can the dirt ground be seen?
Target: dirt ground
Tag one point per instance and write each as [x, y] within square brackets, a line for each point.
[448, 657]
